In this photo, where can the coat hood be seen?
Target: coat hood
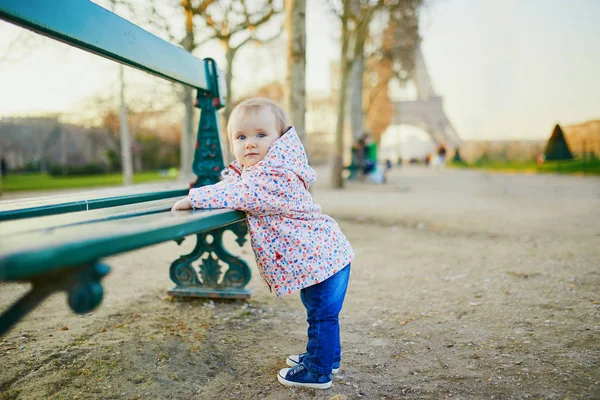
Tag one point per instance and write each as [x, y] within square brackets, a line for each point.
[288, 153]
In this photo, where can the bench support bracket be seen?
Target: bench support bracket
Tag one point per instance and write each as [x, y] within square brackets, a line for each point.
[210, 281]
[208, 154]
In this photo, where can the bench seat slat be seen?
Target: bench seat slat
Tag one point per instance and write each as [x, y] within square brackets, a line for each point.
[92, 216]
[12, 210]
[28, 254]
[84, 24]
[90, 194]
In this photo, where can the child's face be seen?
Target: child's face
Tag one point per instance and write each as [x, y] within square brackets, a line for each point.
[253, 135]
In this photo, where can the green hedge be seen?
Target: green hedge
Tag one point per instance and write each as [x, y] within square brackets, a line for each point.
[37, 181]
[579, 167]
[87, 169]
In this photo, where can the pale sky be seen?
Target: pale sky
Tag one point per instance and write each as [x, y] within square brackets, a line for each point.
[505, 68]
[514, 68]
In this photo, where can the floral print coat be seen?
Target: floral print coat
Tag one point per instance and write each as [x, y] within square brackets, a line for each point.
[295, 245]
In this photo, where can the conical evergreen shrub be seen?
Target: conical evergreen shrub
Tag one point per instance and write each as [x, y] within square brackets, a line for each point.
[557, 147]
[457, 158]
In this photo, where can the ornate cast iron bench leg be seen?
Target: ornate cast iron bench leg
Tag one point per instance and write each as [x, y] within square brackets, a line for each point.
[206, 283]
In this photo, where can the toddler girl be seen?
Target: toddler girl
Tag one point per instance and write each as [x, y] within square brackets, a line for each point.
[295, 245]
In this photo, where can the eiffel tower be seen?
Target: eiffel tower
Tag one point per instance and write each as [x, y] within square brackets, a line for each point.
[427, 111]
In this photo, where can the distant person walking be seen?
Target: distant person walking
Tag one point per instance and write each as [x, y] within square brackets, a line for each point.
[370, 154]
[439, 161]
[442, 154]
[3, 167]
[358, 159]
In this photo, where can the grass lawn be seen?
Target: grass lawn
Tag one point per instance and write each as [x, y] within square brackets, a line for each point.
[36, 181]
[574, 167]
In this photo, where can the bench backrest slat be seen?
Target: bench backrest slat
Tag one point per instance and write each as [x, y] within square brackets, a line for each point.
[92, 28]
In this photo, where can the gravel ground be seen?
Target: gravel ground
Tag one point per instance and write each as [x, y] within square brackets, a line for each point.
[466, 285]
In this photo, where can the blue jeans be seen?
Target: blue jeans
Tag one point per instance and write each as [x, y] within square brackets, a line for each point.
[323, 303]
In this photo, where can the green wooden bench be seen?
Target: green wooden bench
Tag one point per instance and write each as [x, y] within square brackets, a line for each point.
[58, 243]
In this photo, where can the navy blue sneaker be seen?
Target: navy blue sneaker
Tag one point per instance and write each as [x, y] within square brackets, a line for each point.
[299, 376]
[296, 359]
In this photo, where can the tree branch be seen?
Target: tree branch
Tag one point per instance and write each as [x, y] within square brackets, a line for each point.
[158, 21]
[201, 8]
[333, 9]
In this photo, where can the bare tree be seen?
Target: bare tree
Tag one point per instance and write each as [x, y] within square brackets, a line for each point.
[1, 170]
[355, 93]
[21, 47]
[188, 132]
[234, 23]
[126, 158]
[295, 26]
[355, 17]
[391, 57]
[153, 17]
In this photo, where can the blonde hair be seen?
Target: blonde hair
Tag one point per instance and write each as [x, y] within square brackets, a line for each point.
[253, 105]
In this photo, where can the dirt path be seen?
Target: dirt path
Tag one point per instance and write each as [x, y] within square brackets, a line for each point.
[465, 285]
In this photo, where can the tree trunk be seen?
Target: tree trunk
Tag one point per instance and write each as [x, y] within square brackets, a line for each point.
[187, 140]
[295, 25]
[63, 151]
[126, 162]
[356, 96]
[337, 180]
[229, 56]
[1, 170]
[187, 136]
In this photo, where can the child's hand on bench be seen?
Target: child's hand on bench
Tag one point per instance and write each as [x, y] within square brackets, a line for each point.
[183, 204]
